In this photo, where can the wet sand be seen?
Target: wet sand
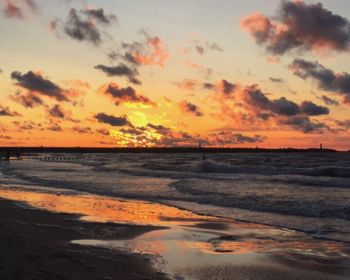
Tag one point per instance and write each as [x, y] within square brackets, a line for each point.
[35, 244]
[83, 236]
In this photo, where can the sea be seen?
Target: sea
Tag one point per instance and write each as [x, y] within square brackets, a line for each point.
[307, 192]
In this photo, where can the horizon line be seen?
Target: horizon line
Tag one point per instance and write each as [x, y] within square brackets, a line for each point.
[164, 148]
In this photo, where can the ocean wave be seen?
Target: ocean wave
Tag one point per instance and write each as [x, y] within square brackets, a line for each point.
[212, 166]
[327, 171]
[264, 197]
[209, 166]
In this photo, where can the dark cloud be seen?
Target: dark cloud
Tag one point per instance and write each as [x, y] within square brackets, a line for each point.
[227, 87]
[181, 139]
[128, 94]
[214, 47]
[120, 70]
[57, 112]
[327, 79]
[199, 49]
[55, 127]
[27, 100]
[112, 120]
[189, 107]
[303, 123]
[36, 83]
[135, 131]
[344, 124]
[240, 139]
[223, 86]
[103, 131]
[264, 115]
[112, 55]
[80, 29]
[283, 111]
[82, 130]
[311, 109]
[100, 16]
[6, 112]
[84, 25]
[159, 128]
[208, 86]
[281, 106]
[203, 47]
[329, 101]
[276, 80]
[28, 125]
[299, 26]
[227, 137]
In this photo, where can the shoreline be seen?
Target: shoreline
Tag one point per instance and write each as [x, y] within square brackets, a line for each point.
[39, 242]
[36, 244]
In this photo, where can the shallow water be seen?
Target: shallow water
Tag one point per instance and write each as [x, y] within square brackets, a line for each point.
[185, 240]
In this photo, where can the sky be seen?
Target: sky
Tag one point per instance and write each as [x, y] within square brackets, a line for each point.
[109, 73]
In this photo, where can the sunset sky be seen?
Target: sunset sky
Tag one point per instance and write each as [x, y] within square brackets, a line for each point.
[175, 73]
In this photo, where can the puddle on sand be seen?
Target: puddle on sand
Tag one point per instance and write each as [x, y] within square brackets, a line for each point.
[190, 240]
[178, 248]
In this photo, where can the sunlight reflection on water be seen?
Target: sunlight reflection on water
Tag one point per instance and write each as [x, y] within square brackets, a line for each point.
[190, 240]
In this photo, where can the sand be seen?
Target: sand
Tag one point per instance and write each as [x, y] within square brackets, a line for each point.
[35, 244]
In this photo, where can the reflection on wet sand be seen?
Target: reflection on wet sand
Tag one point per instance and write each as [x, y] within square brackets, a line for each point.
[191, 240]
[104, 209]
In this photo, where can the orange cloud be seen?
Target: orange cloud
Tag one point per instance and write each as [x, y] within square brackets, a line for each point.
[156, 56]
[150, 52]
[188, 84]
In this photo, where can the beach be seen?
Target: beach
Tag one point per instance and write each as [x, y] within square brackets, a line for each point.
[35, 244]
[107, 218]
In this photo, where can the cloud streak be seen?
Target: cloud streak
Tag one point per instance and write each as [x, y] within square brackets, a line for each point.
[121, 70]
[7, 112]
[227, 137]
[27, 100]
[35, 82]
[125, 95]
[188, 107]
[112, 120]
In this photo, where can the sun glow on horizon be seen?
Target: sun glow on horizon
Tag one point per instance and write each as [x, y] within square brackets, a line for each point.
[150, 80]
